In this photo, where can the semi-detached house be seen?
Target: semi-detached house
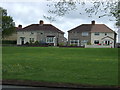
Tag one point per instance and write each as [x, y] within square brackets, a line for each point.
[95, 34]
[43, 33]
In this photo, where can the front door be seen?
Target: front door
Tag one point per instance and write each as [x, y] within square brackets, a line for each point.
[22, 40]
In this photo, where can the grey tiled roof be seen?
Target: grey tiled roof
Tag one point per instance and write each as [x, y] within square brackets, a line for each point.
[92, 28]
[46, 27]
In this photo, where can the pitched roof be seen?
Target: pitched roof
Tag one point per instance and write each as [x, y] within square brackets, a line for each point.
[81, 28]
[92, 28]
[100, 28]
[45, 27]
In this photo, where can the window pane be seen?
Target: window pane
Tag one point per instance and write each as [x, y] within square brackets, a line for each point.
[96, 42]
[84, 33]
[50, 40]
[96, 33]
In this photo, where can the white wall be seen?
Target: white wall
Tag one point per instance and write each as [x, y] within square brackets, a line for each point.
[27, 35]
[100, 36]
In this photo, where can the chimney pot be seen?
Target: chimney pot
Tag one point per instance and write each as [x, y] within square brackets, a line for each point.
[19, 26]
[93, 22]
[41, 22]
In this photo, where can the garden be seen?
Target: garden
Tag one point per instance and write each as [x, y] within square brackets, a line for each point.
[87, 66]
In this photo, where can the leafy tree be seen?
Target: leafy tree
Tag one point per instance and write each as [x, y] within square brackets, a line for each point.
[7, 23]
[116, 13]
[63, 7]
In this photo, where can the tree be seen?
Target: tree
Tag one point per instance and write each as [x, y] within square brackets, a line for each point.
[7, 23]
[107, 7]
[116, 13]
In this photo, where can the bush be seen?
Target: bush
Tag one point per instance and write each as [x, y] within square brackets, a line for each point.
[61, 44]
[36, 43]
[88, 43]
[27, 43]
[73, 45]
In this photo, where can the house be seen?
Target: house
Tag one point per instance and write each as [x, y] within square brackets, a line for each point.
[94, 34]
[43, 33]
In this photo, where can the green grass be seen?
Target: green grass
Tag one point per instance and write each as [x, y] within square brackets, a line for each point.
[67, 65]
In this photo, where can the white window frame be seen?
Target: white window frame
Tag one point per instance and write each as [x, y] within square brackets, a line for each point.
[96, 33]
[51, 40]
[74, 42]
[84, 42]
[85, 33]
[107, 42]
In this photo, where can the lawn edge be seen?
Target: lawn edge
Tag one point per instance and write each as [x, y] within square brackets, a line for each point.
[52, 84]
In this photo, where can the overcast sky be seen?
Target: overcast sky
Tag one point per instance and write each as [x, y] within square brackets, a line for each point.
[31, 12]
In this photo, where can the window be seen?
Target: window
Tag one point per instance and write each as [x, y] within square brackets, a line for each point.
[32, 33]
[96, 42]
[84, 33]
[107, 42]
[31, 39]
[83, 42]
[97, 33]
[105, 34]
[50, 39]
[74, 42]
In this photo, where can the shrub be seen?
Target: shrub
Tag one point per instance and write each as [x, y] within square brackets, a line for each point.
[61, 44]
[73, 45]
[36, 43]
[88, 43]
[9, 42]
[27, 43]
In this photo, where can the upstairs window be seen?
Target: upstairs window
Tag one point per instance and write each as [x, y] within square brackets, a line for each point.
[32, 33]
[105, 34]
[97, 33]
[84, 33]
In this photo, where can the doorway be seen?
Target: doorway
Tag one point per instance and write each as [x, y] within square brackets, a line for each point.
[22, 40]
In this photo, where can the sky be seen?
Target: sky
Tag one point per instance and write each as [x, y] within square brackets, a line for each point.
[31, 12]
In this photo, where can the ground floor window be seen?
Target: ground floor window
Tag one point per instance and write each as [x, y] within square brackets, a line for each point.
[96, 42]
[50, 39]
[31, 40]
[107, 42]
[74, 42]
[83, 42]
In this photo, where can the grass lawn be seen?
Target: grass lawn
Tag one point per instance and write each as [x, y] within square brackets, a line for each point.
[90, 66]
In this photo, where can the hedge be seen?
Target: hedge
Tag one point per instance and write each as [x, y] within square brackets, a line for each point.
[9, 42]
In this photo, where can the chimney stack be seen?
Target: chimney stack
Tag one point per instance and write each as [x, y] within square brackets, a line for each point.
[93, 22]
[41, 22]
[20, 26]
